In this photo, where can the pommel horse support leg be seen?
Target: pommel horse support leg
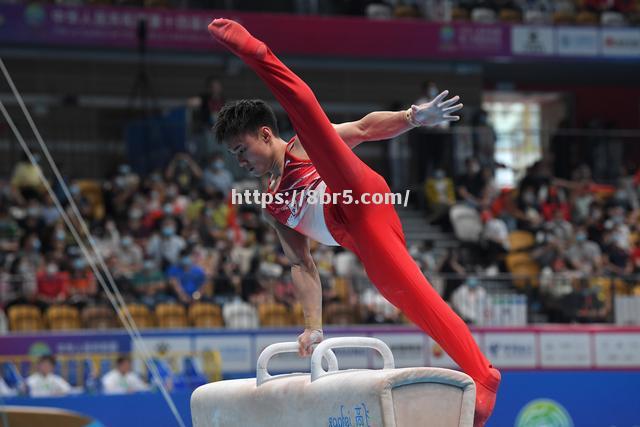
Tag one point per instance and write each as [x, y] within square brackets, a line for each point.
[388, 397]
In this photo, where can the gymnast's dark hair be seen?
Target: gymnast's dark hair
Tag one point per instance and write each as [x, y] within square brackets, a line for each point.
[246, 115]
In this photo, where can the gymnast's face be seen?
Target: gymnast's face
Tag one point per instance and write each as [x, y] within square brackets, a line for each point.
[253, 150]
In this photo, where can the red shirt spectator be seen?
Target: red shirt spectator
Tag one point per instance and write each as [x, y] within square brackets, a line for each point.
[52, 284]
[553, 203]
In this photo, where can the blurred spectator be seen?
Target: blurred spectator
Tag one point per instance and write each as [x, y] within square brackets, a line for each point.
[217, 177]
[583, 304]
[31, 221]
[484, 140]
[120, 277]
[239, 314]
[585, 255]
[130, 254]
[9, 231]
[616, 249]
[205, 109]
[526, 211]
[207, 105]
[5, 390]
[376, 308]
[122, 379]
[186, 279]
[555, 202]
[227, 280]
[25, 179]
[450, 265]
[495, 236]
[166, 246]
[560, 228]
[44, 383]
[82, 283]
[581, 201]
[183, 171]
[471, 302]
[440, 195]
[148, 284]
[53, 284]
[4, 322]
[428, 91]
[536, 177]
[470, 186]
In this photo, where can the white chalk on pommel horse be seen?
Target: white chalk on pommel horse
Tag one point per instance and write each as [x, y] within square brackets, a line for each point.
[388, 397]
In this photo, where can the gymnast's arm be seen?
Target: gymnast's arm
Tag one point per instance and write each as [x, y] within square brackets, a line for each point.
[306, 282]
[380, 125]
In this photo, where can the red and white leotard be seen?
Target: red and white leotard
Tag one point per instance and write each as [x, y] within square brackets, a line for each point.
[298, 176]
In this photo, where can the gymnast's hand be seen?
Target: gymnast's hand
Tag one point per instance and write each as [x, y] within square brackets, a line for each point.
[435, 112]
[307, 339]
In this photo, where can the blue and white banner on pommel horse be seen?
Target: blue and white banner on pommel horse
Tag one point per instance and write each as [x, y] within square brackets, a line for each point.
[388, 397]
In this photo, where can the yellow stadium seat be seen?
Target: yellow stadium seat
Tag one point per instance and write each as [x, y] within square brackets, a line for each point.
[297, 315]
[63, 317]
[586, 17]
[459, 14]
[205, 315]
[342, 288]
[171, 316]
[526, 268]
[521, 240]
[563, 17]
[510, 15]
[141, 315]
[98, 317]
[340, 314]
[273, 314]
[24, 318]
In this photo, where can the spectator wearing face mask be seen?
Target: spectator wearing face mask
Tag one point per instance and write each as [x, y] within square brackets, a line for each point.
[165, 247]
[130, 254]
[584, 255]
[186, 279]
[53, 284]
[216, 176]
[31, 244]
[82, 283]
[148, 284]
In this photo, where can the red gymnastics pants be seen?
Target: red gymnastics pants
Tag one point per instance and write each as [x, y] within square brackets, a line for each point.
[373, 232]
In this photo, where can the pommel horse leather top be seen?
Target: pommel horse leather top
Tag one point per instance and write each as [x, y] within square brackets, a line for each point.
[388, 397]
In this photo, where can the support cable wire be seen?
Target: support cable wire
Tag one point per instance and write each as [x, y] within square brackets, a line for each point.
[113, 294]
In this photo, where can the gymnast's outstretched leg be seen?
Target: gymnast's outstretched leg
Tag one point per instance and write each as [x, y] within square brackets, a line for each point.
[383, 252]
[336, 163]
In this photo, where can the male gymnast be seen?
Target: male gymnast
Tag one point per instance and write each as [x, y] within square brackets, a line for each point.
[320, 158]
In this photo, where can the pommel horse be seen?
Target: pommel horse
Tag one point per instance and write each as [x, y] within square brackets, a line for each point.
[387, 397]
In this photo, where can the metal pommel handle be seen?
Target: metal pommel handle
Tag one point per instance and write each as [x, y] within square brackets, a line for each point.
[262, 373]
[344, 342]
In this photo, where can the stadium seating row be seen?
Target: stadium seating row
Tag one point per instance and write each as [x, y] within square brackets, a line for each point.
[25, 318]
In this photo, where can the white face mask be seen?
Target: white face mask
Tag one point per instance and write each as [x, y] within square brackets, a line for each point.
[52, 269]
